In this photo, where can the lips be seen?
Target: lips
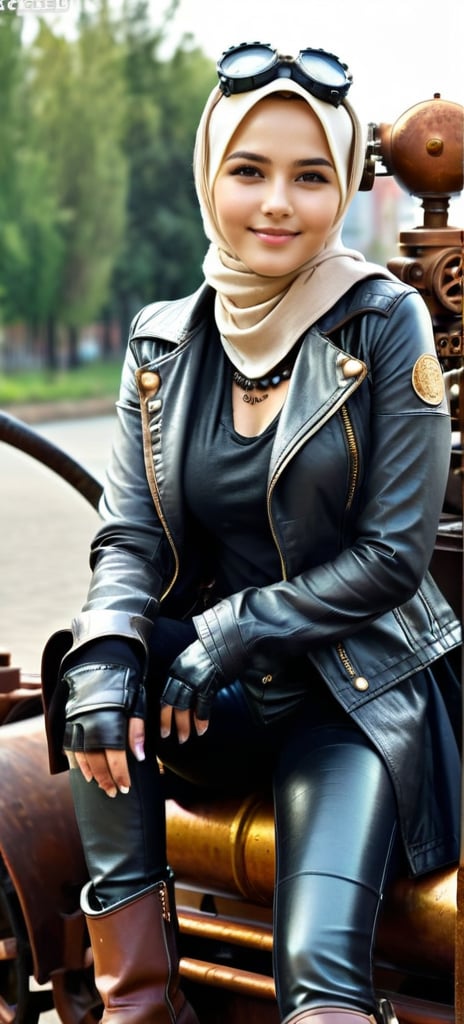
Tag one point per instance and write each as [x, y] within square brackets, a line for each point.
[274, 236]
[275, 232]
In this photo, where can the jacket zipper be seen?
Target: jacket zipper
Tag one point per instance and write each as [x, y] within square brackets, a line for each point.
[359, 682]
[353, 453]
[158, 506]
[147, 429]
[347, 664]
[283, 566]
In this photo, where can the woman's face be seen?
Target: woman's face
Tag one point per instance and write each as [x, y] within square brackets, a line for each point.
[276, 195]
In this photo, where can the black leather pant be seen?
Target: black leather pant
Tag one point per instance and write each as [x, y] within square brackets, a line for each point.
[336, 825]
[336, 832]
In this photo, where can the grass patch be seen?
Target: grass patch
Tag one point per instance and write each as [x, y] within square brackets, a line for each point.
[91, 380]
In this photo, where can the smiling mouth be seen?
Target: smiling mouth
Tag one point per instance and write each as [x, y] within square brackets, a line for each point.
[274, 234]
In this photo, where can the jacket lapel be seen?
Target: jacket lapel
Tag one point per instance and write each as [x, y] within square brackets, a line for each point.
[317, 389]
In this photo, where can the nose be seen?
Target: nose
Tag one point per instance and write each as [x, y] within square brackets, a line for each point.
[276, 201]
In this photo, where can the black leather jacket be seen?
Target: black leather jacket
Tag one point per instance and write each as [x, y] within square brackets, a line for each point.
[355, 534]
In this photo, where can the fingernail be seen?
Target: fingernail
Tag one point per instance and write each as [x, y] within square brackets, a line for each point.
[164, 733]
[201, 729]
[124, 789]
[112, 792]
[139, 752]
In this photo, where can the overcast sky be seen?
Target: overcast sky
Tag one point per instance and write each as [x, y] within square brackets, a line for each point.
[399, 51]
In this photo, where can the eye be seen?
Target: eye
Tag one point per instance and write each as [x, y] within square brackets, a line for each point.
[246, 171]
[313, 177]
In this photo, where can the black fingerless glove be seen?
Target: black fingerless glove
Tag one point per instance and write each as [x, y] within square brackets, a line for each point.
[101, 699]
[92, 678]
[193, 681]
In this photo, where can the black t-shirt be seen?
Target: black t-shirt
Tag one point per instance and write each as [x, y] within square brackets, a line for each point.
[225, 481]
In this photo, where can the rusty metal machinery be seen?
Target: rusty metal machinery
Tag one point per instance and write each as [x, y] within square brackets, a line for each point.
[424, 151]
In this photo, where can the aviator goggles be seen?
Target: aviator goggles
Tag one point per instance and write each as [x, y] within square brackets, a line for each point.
[248, 66]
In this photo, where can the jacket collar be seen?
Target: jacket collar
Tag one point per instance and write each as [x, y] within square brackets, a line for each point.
[317, 387]
[173, 321]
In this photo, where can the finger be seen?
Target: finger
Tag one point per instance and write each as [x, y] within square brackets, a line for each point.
[71, 758]
[201, 725]
[165, 720]
[183, 724]
[137, 738]
[118, 768]
[99, 767]
[80, 761]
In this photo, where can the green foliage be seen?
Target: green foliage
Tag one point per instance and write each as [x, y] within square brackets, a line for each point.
[78, 102]
[93, 380]
[164, 242]
[13, 250]
[35, 240]
[97, 205]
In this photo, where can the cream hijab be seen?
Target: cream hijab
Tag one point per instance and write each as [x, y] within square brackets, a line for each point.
[260, 318]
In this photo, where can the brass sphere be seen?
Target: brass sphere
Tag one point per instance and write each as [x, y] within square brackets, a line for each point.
[424, 149]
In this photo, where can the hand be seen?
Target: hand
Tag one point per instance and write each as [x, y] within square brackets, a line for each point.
[109, 768]
[191, 687]
[104, 715]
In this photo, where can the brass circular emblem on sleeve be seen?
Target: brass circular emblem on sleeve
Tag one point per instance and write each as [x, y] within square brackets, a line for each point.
[427, 380]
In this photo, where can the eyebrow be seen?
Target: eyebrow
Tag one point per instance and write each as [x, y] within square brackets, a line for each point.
[243, 154]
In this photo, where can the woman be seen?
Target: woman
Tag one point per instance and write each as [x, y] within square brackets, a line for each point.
[260, 576]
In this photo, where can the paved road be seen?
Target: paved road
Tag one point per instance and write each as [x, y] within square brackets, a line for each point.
[45, 531]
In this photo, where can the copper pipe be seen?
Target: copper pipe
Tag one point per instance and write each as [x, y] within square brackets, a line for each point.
[231, 978]
[227, 848]
[222, 929]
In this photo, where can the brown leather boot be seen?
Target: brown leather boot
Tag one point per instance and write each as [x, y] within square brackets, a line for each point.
[136, 962]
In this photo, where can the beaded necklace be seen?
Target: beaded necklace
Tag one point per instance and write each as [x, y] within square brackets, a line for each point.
[262, 383]
[281, 372]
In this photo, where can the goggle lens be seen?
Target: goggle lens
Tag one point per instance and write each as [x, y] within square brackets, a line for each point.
[253, 60]
[324, 69]
[250, 65]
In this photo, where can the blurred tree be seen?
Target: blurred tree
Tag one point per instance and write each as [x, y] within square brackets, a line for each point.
[40, 221]
[79, 115]
[30, 238]
[13, 251]
[164, 242]
[97, 204]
